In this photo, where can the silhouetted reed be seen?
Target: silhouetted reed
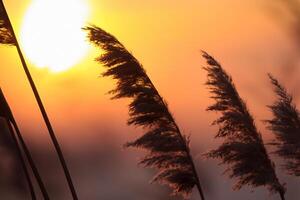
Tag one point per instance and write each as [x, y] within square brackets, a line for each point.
[6, 114]
[12, 174]
[243, 148]
[168, 149]
[18, 138]
[8, 37]
[285, 124]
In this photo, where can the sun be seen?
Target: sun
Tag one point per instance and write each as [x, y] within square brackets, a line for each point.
[51, 34]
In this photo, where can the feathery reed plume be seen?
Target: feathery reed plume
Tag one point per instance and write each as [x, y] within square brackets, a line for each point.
[168, 149]
[6, 36]
[6, 113]
[10, 38]
[286, 127]
[243, 149]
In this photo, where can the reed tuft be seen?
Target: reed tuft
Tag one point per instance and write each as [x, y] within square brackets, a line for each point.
[243, 149]
[285, 124]
[6, 35]
[168, 149]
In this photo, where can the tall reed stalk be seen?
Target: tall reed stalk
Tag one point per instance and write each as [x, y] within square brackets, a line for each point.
[5, 115]
[22, 160]
[13, 127]
[168, 149]
[13, 41]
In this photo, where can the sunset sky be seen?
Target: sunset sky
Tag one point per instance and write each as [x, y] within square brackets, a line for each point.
[167, 37]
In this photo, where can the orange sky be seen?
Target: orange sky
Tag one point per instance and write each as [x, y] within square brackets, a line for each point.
[167, 38]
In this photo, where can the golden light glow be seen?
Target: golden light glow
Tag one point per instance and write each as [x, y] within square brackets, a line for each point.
[51, 34]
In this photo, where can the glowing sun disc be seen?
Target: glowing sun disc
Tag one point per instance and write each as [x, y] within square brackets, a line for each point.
[51, 34]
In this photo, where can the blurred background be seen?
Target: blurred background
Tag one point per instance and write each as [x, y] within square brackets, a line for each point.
[249, 38]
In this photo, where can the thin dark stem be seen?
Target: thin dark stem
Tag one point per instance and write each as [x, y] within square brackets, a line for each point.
[282, 195]
[198, 184]
[198, 179]
[30, 161]
[23, 162]
[44, 114]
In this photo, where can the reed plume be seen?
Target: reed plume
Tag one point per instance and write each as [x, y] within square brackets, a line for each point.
[9, 38]
[168, 149]
[6, 36]
[285, 124]
[243, 148]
